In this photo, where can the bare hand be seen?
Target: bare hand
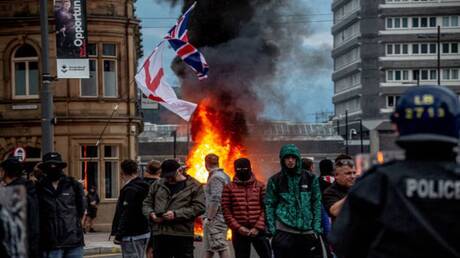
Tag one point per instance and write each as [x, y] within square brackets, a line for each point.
[169, 215]
[253, 232]
[243, 231]
[155, 219]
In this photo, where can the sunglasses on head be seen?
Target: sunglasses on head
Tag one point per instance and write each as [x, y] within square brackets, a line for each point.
[241, 169]
[345, 162]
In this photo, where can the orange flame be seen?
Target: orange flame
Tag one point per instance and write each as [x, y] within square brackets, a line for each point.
[211, 137]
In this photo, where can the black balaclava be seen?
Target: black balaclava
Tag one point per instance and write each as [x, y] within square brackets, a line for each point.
[54, 172]
[243, 169]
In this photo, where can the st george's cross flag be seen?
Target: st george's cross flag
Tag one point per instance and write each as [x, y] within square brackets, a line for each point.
[151, 82]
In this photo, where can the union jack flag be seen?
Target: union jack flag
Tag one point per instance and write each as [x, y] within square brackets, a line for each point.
[179, 31]
[191, 56]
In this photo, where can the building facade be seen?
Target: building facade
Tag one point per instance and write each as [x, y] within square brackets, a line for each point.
[96, 120]
[383, 47]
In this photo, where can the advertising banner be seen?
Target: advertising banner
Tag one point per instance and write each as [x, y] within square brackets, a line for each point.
[71, 39]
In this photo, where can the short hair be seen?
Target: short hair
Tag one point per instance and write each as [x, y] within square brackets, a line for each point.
[153, 167]
[343, 160]
[212, 159]
[326, 167]
[129, 167]
[307, 164]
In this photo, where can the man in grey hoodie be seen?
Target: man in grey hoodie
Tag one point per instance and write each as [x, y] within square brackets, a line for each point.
[215, 228]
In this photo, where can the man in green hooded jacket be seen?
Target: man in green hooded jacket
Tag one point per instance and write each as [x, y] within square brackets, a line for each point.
[293, 209]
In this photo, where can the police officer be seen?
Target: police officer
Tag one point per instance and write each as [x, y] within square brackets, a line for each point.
[409, 208]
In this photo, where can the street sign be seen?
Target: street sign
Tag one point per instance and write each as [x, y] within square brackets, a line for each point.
[20, 153]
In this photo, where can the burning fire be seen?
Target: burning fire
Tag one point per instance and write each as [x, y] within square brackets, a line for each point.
[212, 135]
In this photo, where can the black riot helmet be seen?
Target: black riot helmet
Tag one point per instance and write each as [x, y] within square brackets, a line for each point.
[427, 114]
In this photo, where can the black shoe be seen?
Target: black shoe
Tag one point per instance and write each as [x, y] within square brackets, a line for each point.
[91, 230]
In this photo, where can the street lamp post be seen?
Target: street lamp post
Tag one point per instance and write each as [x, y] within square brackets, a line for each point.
[346, 131]
[46, 95]
[439, 55]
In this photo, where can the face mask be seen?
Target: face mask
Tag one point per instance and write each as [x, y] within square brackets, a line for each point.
[54, 174]
[243, 174]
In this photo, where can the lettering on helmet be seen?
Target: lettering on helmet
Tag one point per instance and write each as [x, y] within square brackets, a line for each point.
[433, 189]
[426, 99]
[413, 113]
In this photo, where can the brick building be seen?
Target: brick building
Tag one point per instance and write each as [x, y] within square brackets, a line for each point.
[82, 107]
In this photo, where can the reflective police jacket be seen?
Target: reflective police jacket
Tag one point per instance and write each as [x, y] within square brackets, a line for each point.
[401, 209]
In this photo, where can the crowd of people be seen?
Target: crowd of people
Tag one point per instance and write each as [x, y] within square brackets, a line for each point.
[398, 209]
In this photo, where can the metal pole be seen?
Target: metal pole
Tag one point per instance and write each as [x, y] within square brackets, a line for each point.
[46, 94]
[346, 132]
[361, 134]
[439, 55]
[174, 135]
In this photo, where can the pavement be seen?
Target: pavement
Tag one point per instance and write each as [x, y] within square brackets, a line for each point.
[98, 245]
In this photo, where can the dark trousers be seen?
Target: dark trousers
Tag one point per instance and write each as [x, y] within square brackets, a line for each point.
[242, 246]
[288, 245]
[172, 246]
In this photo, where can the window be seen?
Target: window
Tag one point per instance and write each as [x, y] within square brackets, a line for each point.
[405, 22]
[92, 162]
[88, 87]
[454, 21]
[446, 74]
[450, 21]
[454, 74]
[111, 174]
[445, 21]
[450, 74]
[25, 73]
[423, 22]
[424, 75]
[454, 48]
[432, 48]
[397, 49]
[397, 75]
[107, 59]
[347, 82]
[445, 48]
[405, 49]
[416, 75]
[389, 49]
[392, 101]
[415, 22]
[389, 23]
[424, 48]
[89, 165]
[415, 49]
[397, 22]
[405, 75]
[432, 21]
[433, 75]
[110, 70]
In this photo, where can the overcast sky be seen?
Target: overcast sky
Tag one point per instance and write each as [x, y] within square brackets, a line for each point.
[158, 18]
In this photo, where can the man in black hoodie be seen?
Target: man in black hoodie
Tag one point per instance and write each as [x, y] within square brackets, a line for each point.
[12, 168]
[61, 201]
[130, 227]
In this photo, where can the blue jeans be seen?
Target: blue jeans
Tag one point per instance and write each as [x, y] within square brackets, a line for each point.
[134, 248]
[74, 252]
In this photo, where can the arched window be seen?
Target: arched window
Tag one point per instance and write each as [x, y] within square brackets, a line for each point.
[25, 72]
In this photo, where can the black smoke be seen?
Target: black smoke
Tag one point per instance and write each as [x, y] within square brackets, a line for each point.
[252, 47]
